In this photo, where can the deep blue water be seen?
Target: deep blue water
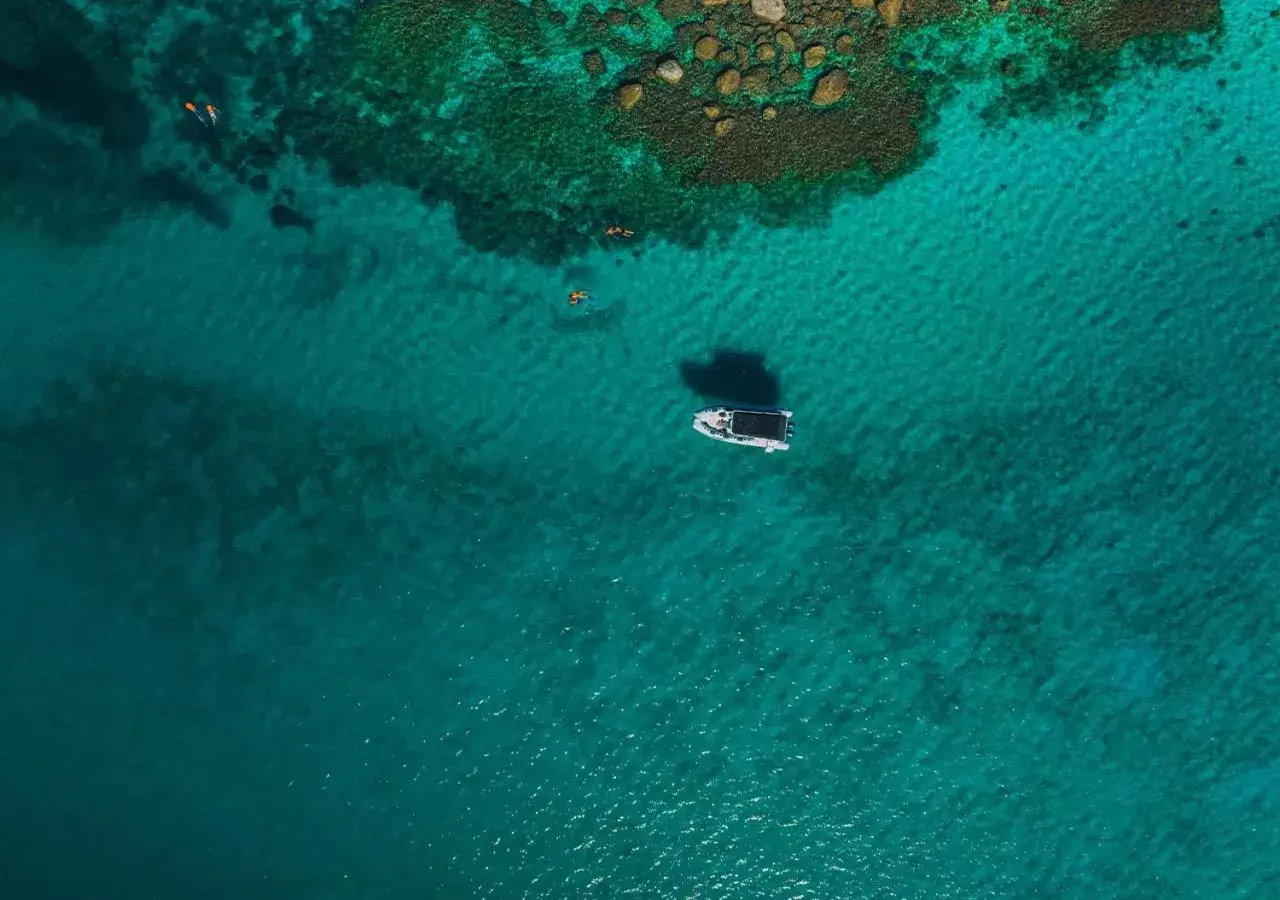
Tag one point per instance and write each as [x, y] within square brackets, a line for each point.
[348, 564]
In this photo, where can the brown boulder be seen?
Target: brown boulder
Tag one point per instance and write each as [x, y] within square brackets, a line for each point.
[844, 44]
[790, 77]
[768, 113]
[669, 71]
[862, 4]
[786, 43]
[890, 11]
[830, 87]
[615, 17]
[710, 111]
[728, 82]
[726, 56]
[814, 56]
[766, 52]
[771, 11]
[629, 95]
[706, 48]
[724, 126]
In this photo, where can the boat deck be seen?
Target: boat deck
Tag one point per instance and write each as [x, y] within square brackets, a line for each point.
[769, 430]
[770, 426]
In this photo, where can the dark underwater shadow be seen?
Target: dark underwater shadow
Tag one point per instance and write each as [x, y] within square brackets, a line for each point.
[283, 216]
[120, 119]
[326, 271]
[733, 376]
[992, 484]
[201, 502]
[168, 187]
[55, 58]
[492, 226]
[71, 191]
[61, 189]
[1061, 484]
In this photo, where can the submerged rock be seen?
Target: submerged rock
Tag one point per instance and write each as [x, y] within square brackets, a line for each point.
[771, 11]
[724, 126]
[728, 82]
[706, 48]
[830, 87]
[629, 95]
[890, 11]
[669, 71]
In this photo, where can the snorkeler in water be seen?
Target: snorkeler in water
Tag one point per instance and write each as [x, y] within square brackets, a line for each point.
[618, 233]
[207, 114]
[579, 297]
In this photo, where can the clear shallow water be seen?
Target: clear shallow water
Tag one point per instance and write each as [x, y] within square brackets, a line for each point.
[343, 565]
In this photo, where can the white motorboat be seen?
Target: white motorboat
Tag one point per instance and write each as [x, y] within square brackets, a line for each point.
[768, 429]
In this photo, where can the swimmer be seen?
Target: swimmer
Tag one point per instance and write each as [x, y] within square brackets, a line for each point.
[208, 116]
[618, 232]
[576, 297]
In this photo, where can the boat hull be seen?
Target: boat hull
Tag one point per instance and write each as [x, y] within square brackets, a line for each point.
[717, 423]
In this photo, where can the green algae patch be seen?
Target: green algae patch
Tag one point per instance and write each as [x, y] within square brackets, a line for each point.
[513, 143]
[542, 122]
[1057, 61]
[1111, 24]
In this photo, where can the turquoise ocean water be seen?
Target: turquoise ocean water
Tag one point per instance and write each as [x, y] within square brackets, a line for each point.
[345, 564]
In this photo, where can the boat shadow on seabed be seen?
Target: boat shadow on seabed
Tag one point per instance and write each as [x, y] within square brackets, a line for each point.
[733, 376]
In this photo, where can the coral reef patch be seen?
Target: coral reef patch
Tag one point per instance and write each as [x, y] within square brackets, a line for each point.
[540, 121]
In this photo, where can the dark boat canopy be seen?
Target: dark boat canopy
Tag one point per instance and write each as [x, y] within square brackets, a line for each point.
[771, 426]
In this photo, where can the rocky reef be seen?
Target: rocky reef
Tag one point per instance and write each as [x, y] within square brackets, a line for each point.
[661, 112]
[540, 121]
